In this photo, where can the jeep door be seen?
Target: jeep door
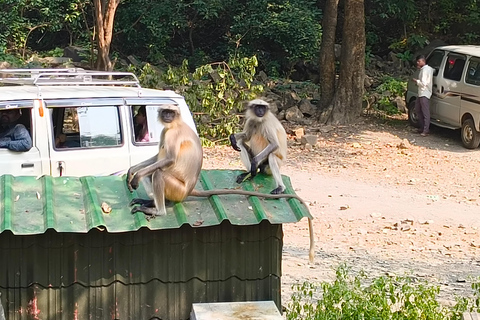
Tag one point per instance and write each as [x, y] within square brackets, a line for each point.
[448, 88]
[140, 149]
[23, 163]
[87, 137]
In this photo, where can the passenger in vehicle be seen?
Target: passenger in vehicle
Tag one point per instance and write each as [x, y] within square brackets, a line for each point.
[60, 141]
[141, 128]
[13, 135]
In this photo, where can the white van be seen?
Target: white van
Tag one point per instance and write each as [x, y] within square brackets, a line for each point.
[91, 113]
[455, 102]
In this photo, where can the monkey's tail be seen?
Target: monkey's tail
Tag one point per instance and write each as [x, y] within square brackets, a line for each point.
[209, 193]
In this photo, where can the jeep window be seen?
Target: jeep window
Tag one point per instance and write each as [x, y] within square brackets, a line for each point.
[86, 127]
[145, 125]
[434, 60]
[473, 74]
[14, 131]
[454, 67]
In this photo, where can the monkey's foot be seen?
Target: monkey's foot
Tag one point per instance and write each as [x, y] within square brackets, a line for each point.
[242, 177]
[150, 213]
[278, 190]
[143, 202]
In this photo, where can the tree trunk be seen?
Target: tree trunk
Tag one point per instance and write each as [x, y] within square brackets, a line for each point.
[104, 14]
[346, 106]
[327, 53]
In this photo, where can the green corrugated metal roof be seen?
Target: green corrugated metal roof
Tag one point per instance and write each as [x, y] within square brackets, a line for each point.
[70, 204]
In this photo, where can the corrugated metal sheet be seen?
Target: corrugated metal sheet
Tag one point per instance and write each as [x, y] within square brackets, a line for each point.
[138, 275]
[69, 204]
[61, 257]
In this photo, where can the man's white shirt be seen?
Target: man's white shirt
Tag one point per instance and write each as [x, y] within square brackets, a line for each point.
[424, 81]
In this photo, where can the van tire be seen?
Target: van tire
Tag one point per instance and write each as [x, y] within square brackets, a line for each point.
[412, 115]
[470, 135]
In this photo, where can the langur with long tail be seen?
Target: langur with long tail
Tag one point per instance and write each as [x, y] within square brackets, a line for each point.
[263, 147]
[262, 144]
[173, 173]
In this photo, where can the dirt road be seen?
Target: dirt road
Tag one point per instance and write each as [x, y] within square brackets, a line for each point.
[385, 201]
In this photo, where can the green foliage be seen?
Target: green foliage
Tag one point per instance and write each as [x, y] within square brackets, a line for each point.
[387, 91]
[214, 92]
[356, 297]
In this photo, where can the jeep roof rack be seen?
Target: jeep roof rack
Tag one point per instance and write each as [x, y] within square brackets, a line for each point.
[73, 76]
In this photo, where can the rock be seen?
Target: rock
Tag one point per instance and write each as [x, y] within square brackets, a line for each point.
[356, 145]
[290, 99]
[5, 65]
[375, 215]
[400, 104]
[299, 133]
[131, 59]
[281, 115]
[307, 108]
[309, 139]
[293, 114]
[263, 76]
[55, 61]
[367, 82]
[326, 129]
[308, 146]
[77, 54]
[405, 144]
[345, 207]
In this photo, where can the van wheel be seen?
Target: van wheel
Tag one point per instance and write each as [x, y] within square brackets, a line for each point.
[412, 115]
[470, 135]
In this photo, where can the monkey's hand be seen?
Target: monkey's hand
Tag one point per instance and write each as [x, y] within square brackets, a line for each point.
[253, 167]
[233, 141]
[132, 182]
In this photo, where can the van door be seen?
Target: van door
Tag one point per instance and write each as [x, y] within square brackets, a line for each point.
[449, 90]
[434, 60]
[471, 91]
[87, 138]
[21, 163]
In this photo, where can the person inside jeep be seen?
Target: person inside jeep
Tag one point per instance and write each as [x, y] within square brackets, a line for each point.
[141, 127]
[13, 135]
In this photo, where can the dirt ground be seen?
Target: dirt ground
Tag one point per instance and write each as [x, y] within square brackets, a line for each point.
[386, 201]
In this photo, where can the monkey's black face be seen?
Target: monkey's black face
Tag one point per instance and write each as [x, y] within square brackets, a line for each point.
[167, 115]
[259, 110]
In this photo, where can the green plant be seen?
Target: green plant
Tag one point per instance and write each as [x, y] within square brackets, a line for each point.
[405, 56]
[214, 92]
[356, 297]
[387, 92]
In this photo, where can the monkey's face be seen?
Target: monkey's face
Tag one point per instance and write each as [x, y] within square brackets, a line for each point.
[259, 110]
[166, 115]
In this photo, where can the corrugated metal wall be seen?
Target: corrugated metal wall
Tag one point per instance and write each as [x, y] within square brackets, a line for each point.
[140, 274]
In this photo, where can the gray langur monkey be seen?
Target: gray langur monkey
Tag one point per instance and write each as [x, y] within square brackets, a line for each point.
[173, 173]
[262, 144]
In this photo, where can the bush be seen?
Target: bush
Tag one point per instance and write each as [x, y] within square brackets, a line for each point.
[353, 297]
[214, 92]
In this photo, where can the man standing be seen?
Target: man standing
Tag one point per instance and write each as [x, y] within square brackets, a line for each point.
[422, 104]
[13, 136]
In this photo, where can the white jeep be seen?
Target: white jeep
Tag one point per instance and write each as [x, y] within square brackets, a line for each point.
[81, 122]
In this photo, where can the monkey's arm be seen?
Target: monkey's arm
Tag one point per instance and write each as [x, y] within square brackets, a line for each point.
[235, 138]
[133, 171]
[146, 171]
[272, 146]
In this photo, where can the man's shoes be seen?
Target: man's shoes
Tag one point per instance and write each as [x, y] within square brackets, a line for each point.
[424, 134]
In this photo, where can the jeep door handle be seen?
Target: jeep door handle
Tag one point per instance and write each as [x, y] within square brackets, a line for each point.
[27, 165]
[61, 167]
